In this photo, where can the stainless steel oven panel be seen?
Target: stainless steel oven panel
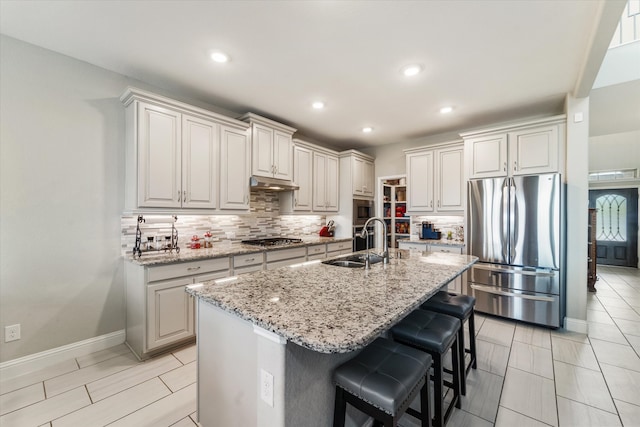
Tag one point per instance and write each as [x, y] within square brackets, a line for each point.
[516, 278]
[543, 309]
[362, 211]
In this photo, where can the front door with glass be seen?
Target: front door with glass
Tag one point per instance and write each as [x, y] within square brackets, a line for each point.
[616, 226]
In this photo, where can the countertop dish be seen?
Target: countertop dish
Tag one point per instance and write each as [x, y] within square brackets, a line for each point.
[329, 309]
[220, 249]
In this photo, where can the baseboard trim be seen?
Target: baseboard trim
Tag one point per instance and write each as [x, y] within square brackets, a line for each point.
[33, 362]
[576, 325]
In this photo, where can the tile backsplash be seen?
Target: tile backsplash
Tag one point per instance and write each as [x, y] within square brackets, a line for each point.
[263, 220]
[442, 223]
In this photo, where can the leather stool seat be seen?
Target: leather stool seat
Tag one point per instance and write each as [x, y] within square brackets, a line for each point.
[435, 334]
[460, 306]
[386, 376]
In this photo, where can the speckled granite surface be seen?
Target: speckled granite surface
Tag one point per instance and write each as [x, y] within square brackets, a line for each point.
[452, 242]
[222, 250]
[332, 309]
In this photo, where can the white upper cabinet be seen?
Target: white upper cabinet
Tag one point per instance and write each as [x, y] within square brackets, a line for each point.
[450, 191]
[235, 169]
[173, 155]
[200, 147]
[359, 173]
[420, 174]
[316, 172]
[488, 156]
[435, 179]
[159, 156]
[303, 176]
[534, 150]
[362, 176]
[271, 146]
[526, 148]
[325, 182]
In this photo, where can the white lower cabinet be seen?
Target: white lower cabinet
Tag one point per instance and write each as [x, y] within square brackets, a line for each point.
[160, 314]
[169, 313]
[248, 263]
[285, 257]
[316, 252]
[339, 248]
[456, 284]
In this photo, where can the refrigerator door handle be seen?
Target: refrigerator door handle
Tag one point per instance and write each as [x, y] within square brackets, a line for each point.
[492, 290]
[513, 215]
[514, 271]
[506, 220]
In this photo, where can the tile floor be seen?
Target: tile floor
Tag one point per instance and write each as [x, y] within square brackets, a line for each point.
[526, 376]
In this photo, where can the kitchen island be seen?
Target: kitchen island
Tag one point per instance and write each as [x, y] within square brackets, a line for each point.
[268, 341]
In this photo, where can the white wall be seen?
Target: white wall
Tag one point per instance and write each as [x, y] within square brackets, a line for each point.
[577, 203]
[615, 151]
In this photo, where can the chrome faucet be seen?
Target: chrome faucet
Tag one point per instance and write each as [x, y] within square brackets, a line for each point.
[385, 246]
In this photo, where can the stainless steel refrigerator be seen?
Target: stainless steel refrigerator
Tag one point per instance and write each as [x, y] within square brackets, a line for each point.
[516, 229]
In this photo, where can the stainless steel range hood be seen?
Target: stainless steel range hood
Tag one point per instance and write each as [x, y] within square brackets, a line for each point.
[270, 184]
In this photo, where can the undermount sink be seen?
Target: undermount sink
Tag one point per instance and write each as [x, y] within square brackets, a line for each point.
[344, 263]
[354, 261]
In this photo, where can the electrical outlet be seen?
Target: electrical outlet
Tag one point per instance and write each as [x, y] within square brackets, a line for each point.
[11, 333]
[266, 387]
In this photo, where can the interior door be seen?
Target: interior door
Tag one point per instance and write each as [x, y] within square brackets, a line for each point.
[616, 226]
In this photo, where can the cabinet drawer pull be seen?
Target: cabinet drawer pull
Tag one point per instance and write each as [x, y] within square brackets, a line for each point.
[515, 166]
[193, 268]
[249, 260]
[179, 198]
[445, 250]
[504, 167]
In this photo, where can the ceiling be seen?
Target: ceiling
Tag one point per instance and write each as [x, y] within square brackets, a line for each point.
[490, 60]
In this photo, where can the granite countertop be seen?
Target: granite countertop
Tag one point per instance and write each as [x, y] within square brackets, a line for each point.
[223, 249]
[444, 241]
[332, 309]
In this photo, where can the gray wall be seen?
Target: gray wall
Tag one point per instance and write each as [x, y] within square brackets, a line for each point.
[61, 198]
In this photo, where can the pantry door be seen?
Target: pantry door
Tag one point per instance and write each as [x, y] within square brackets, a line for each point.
[616, 226]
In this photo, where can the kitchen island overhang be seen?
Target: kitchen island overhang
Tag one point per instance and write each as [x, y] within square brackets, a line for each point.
[268, 341]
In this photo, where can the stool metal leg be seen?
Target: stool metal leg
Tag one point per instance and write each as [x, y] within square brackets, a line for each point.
[340, 409]
[424, 404]
[438, 413]
[472, 342]
[461, 352]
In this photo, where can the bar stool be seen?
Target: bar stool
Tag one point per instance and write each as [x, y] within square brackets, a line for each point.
[382, 381]
[435, 334]
[461, 307]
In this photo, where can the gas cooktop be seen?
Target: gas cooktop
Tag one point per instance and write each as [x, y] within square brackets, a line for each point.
[273, 241]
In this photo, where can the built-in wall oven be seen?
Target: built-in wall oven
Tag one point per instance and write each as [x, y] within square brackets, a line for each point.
[362, 211]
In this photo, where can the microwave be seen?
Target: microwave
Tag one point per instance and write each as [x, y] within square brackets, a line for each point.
[362, 211]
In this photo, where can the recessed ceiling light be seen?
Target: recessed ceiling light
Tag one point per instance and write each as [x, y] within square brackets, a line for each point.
[367, 129]
[445, 110]
[411, 70]
[318, 105]
[220, 57]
